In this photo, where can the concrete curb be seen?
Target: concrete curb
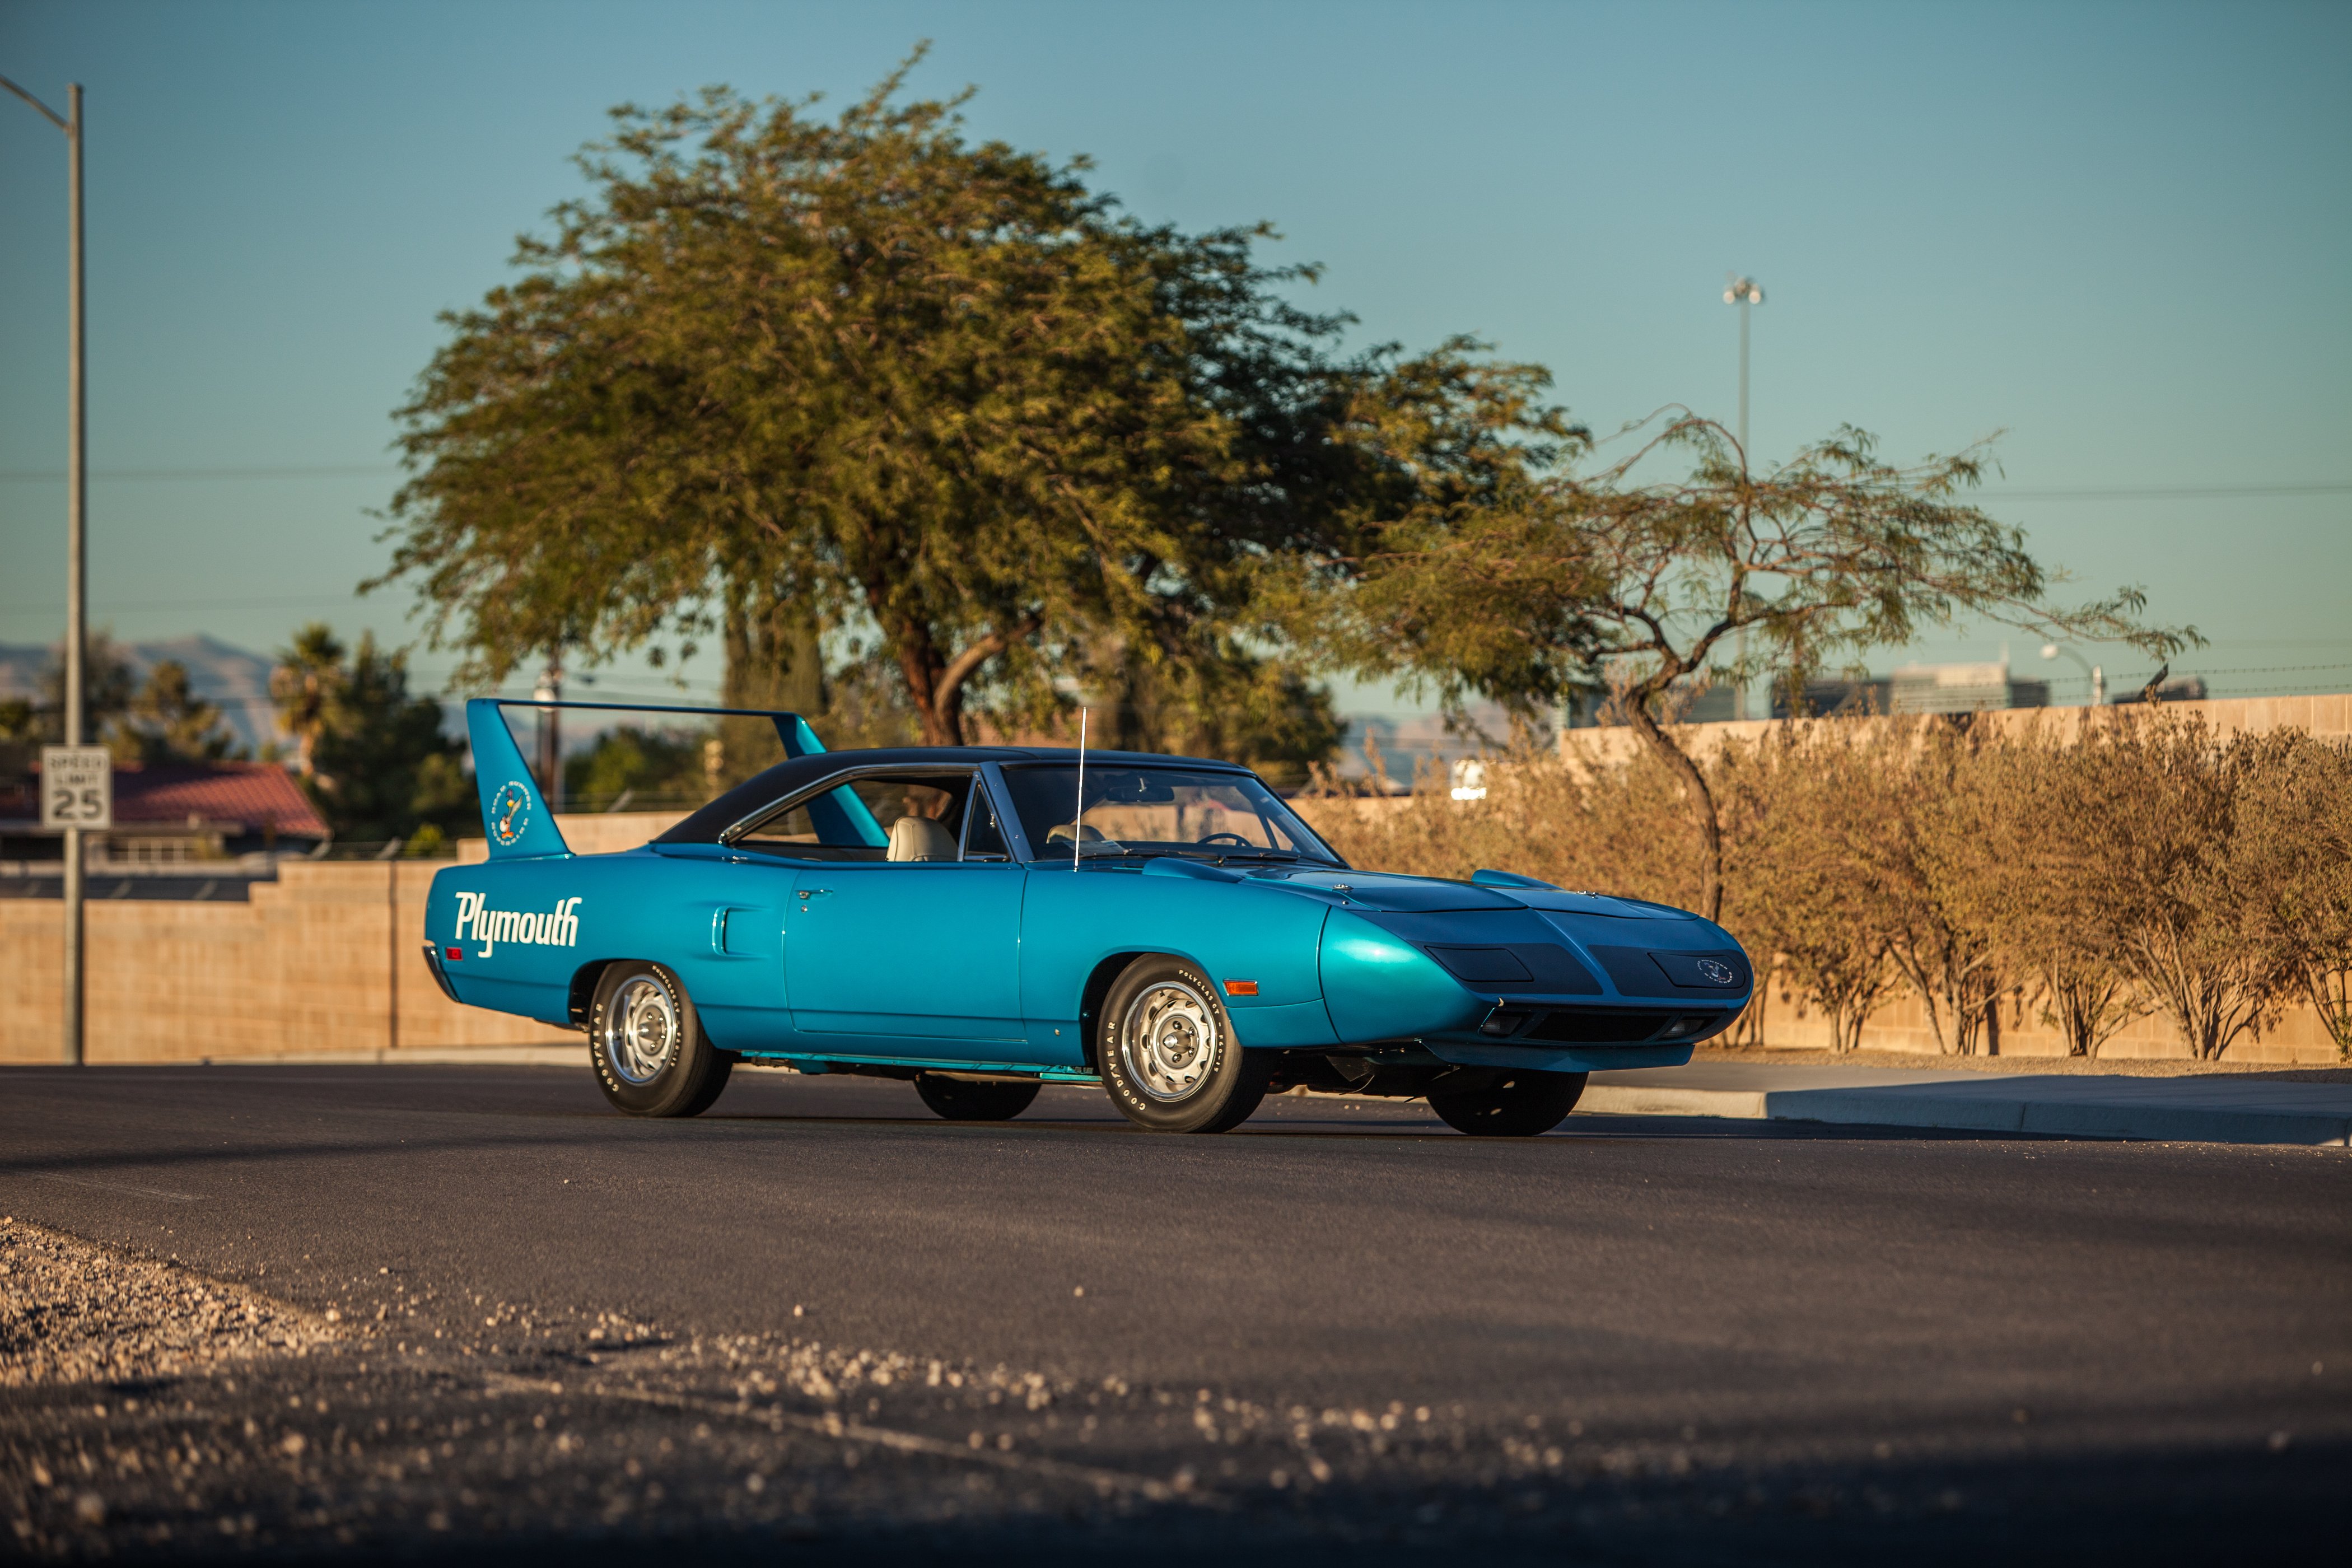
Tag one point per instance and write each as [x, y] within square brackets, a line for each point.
[1637, 1099]
[2164, 1111]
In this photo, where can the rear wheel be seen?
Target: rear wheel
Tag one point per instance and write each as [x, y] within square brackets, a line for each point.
[963, 1099]
[650, 1054]
[1511, 1104]
[1167, 1052]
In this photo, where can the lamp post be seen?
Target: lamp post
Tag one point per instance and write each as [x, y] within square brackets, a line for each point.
[2098, 676]
[76, 506]
[1743, 292]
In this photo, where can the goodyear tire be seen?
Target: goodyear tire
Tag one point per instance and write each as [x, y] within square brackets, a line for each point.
[963, 1099]
[650, 1054]
[1167, 1053]
[1511, 1104]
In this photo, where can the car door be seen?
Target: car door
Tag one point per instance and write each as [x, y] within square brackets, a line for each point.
[901, 956]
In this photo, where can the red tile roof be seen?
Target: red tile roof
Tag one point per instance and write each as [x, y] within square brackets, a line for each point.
[255, 794]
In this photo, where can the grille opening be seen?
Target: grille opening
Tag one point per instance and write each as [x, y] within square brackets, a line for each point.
[1598, 1028]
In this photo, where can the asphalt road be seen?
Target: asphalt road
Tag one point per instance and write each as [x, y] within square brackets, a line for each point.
[1342, 1329]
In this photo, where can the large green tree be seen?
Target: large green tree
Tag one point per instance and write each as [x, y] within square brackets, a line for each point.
[1518, 568]
[780, 375]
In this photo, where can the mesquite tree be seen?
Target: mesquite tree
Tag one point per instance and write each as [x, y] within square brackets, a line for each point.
[1515, 572]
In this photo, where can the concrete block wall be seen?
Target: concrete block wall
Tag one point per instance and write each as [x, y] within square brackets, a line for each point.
[310, 964]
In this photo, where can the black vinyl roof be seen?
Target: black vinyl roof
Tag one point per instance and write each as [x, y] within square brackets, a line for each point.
[789, 777]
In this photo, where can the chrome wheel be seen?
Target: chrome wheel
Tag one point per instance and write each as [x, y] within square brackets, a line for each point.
[1169, 1040]
[641, 1030]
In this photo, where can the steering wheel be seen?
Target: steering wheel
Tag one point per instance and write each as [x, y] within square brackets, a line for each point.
[1234, 837]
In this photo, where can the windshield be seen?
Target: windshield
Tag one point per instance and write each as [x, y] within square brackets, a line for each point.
[1154, 810]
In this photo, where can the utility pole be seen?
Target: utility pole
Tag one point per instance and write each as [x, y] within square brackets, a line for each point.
[77, 555]
[1743, 292]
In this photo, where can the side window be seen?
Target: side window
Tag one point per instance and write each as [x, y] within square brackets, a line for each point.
[793, 826]
[896, 817]
[983, 840]
[828, 827]
[933, 797]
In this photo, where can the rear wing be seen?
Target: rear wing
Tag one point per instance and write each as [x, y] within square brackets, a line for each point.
[514, 811]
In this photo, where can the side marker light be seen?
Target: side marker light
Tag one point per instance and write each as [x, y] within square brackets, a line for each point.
[454, 953]
[1241, 987]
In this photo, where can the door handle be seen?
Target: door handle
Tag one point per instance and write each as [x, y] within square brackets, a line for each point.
[814, 894]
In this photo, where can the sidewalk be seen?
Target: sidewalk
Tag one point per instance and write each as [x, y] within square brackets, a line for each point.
[2249, 1109]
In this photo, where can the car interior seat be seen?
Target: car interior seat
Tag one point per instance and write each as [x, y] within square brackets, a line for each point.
[920, 838]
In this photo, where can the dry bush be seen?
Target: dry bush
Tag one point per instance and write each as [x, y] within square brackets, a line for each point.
[2030, 877]
[2295, 851]
[2170, 885]
[1811, 819]
[1942, 935]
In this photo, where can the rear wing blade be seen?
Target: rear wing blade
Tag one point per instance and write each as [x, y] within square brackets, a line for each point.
[514, 812]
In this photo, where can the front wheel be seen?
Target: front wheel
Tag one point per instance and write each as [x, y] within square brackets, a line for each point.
[1512, 1104]
[1167, 1052]
[965, 1100]
[651, 1056]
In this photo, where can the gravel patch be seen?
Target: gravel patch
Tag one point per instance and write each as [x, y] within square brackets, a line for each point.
[149, 1411]
[71, 1313]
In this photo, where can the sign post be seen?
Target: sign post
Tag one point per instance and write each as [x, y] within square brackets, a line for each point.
[78, 797]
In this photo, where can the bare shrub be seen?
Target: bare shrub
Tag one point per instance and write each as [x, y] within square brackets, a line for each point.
[2171, 885]
[1814, 804]
[2295, 856]
[2021, 875]
[1935, 865]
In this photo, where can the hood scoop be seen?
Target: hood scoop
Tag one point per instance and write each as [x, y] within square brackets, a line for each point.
[1390, 894]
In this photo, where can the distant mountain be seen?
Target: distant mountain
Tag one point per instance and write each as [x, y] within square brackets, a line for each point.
[233, 679]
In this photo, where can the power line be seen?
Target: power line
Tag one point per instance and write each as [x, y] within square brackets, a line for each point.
[304, 472]
[2169, 492]
[324, 597]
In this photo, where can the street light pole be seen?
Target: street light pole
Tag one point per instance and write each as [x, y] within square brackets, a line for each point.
[1743, 292]
[2098, 675]
[77, 555]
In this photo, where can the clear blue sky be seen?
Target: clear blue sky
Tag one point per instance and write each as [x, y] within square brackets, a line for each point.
[2118, 232]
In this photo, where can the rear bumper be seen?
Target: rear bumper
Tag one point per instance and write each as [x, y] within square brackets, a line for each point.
[440, 975]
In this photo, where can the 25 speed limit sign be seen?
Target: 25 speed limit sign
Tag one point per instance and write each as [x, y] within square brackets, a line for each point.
[76, 787]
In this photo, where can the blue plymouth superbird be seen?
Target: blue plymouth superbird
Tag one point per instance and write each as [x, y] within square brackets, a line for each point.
[983, 919]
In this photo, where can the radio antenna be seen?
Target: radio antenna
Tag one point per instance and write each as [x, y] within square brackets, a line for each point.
[1079, 818]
